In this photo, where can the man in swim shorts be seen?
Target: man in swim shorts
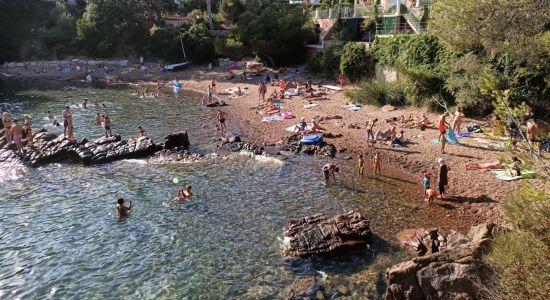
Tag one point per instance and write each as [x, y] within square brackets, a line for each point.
[221, 119]
[360, 165]
[17, 135]
[67, 119]
[85, 103]
[330, 169]
[107, 125]
[6, 121]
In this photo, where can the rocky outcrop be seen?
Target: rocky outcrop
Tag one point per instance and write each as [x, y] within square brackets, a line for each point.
[290, 144]
[318, 234]
[177, 140]
[452, 273]
[50, 148]
[428, 241]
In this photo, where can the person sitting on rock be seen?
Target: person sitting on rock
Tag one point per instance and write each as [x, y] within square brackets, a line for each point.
[315, 127]
[7, 123]
[121, 209]
[330, 169]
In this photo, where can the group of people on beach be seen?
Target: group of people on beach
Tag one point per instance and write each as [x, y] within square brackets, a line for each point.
[15, 132]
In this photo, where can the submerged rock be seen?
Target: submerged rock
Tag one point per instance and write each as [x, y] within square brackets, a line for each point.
[318, 234]
[453, 273]
[290, 144]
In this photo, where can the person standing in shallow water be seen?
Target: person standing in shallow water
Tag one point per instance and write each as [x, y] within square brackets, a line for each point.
[121, 209]
[328, 170]
[17, 135]
[443, 178]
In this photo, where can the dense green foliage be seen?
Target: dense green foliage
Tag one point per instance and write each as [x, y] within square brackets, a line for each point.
[231, 9]
[327, 62]
[355, 62]
[521, 257]
[37, 29]
[276, 33]
[377, 93]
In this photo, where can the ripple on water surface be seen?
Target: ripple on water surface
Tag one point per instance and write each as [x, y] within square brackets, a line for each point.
[60, 238]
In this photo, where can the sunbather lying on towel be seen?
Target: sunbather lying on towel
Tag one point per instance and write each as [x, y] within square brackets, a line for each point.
[483, 166]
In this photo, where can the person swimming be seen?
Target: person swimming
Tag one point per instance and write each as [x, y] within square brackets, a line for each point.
[121, 209]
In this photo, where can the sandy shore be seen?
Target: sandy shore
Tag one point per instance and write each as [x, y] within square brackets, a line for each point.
[473, 196]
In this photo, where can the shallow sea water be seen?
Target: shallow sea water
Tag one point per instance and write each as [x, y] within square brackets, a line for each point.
[60, 238]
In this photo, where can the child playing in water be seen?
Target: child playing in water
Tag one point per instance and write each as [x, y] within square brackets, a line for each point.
[330, 169]
[377, 167]
[360, 165]
[121, 209]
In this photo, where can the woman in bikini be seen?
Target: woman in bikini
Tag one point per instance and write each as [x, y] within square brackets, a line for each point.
[6, 121]
[442, 127]
[27, 129]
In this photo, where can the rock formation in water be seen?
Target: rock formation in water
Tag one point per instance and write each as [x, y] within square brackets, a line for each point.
[288, 144]
[451, 273]
[51, 148]
[318, 234]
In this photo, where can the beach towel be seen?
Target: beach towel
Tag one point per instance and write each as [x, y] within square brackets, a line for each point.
[332, 87]
[312, 105]
[450, 137]
[291, 128]
[464, 134]
[503, 175]
[272, 118]
[291, 92]
[352, 106]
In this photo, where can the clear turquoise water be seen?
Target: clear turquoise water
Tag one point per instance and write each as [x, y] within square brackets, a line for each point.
[60, 238]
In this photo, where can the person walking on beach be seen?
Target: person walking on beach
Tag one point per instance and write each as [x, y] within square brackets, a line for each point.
[443, 178]
[221, 120]
[122, 210]
[457, 121]
[342, 80]
[330, 169]
[213, 84]
[442, 127]
[6, 122]
[67, 119]
[360, 165]
[370, 130]
[262, 90]
[377, 165]
[282, 88]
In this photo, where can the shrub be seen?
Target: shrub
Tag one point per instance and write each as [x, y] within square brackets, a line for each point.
[356, 63]
[377, 93]
[326, 63]
[521, 258]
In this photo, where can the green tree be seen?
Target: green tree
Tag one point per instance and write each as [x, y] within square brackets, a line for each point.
[277, 34]
[113, 27]
[231, 9]
[356, 63]
[517, 28]
[326, 62]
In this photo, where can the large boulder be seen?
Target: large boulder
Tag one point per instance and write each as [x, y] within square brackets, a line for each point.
[318, 234]
[177, 140]
[452, 273]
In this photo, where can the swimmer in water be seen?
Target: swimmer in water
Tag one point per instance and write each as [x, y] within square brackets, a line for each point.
[121, 209]
[85, 103]
[50, 115]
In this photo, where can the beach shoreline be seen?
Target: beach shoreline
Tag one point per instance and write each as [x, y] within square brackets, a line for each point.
[474, 197]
